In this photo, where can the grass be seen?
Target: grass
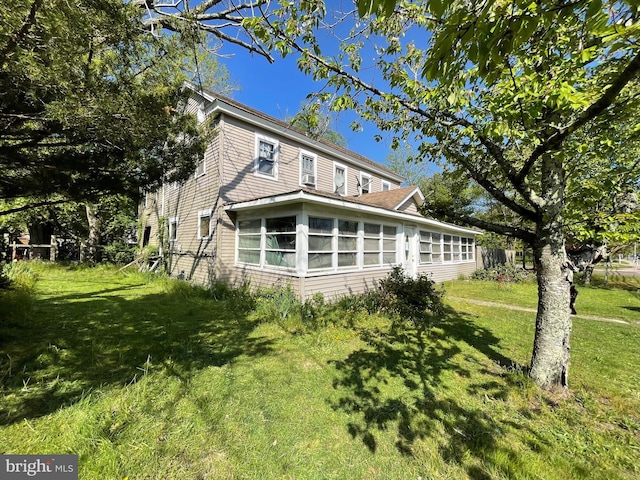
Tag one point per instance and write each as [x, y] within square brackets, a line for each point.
[149, 378]
[619, 298]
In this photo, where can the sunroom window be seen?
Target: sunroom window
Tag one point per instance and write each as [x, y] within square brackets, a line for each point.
[320, 253]
[347, 243]
[379, 244]
[280, 246]
[249, 239]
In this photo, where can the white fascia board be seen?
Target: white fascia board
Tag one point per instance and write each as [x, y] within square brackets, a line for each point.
[223, 107]
[300, 196]
[415, 192]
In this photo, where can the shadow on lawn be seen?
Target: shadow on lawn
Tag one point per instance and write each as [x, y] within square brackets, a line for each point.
[398, 379]
[71, 344]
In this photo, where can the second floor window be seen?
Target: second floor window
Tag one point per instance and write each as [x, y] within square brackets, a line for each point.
[340, 179]
[365, 183]
[200, 167]
[266, 156]
[307, 169]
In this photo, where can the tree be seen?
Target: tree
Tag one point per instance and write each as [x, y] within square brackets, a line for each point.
[87, 103]
[316, 123]
[497, 90]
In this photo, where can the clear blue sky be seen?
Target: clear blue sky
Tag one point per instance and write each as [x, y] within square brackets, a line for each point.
[279, 90]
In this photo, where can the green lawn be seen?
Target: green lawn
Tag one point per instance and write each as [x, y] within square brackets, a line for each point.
[145, 377]
[620, 298]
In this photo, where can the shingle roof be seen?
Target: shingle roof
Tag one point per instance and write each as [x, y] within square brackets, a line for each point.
[388, 199]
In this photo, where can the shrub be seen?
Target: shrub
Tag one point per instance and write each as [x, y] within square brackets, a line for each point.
[506, 273]
[413, 299]
[119, 253]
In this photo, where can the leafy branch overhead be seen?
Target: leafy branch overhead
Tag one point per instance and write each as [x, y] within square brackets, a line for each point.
[499, 93]
[87, 102]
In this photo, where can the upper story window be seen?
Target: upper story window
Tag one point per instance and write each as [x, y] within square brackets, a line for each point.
[385, 186]
[266, 161]
[339, 179]
[173, 229]
[200, 167]
[365, 183]
[204, 224]
[201, 114]
[308, 166]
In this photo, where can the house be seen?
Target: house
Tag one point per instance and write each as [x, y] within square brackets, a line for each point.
[268, 204]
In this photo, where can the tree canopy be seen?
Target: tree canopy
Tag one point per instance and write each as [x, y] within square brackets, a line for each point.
[88, 102]
[501, 92]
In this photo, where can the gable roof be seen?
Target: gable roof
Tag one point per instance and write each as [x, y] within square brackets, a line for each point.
[221, 104]
[393, 199]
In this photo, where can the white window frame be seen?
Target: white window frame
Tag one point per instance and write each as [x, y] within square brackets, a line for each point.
[386, 186]
[201, 167]
[201, 114]
[201, 215]
[173, 229]
[360, 240]
[381, 238]
[259, 137]
[264, 249]
[303, 172]
[369, 178]
[337, 166]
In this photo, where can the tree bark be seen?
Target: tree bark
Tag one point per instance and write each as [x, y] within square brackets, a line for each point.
[93, 240]
[551, 346]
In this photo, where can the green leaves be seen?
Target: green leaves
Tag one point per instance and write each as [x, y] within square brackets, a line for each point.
[86, 98]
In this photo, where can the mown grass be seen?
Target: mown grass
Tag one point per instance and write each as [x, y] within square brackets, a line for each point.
[619, 298]
[145, 377]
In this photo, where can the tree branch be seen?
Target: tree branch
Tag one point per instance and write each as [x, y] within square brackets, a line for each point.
[33, 205]
[491, 188]
[453, 216]
[29, 22]
[595, 109]
[446, 119]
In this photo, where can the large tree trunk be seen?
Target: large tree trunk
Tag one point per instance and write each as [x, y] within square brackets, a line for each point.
[93, 240]
[551, 346]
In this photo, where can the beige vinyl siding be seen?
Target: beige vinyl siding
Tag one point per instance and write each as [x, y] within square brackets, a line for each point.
[409, 207]
[448, 271]
[336, 285]
[238, 178]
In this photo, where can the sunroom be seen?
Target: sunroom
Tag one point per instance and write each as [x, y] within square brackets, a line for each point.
[307, 234]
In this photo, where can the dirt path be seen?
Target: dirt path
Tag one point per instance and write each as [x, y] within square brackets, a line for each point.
[533, 310]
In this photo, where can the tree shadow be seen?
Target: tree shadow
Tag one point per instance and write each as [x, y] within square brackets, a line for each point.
[400, 380]
[70, 344]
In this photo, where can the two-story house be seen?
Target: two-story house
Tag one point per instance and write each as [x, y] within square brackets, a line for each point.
[268, 204]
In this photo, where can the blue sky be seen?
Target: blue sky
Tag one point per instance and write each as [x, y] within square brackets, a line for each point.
[279, 89]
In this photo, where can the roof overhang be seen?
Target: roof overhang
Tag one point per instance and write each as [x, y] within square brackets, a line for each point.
[302, 196]
[417, 196]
